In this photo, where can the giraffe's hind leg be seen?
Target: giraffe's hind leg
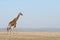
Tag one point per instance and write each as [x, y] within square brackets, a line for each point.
[9, 29]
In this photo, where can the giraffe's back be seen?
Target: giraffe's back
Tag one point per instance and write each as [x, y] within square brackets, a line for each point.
[12, 23]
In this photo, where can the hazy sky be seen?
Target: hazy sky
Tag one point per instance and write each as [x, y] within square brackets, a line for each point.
[36, 13]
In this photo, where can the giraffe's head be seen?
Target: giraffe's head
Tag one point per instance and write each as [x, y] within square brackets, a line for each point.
[20, 14]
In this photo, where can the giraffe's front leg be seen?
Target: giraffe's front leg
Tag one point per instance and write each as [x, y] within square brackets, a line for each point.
[15, 28]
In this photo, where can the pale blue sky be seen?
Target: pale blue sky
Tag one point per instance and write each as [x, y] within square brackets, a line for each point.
[36, 13]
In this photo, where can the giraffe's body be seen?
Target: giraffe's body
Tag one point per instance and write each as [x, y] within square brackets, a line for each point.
[13, 22]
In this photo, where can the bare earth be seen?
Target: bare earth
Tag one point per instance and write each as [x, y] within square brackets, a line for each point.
[30, 36]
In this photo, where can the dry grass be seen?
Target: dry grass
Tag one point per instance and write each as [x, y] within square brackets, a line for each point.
[30, 36]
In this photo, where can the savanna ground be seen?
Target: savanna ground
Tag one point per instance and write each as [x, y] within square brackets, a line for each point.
[30, 36]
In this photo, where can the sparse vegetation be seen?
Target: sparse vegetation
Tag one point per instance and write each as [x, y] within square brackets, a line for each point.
[30, 36]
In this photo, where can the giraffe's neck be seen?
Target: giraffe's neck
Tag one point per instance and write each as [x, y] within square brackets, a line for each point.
[16, 18]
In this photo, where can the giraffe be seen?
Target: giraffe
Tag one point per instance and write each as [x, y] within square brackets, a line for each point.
[13, 22]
